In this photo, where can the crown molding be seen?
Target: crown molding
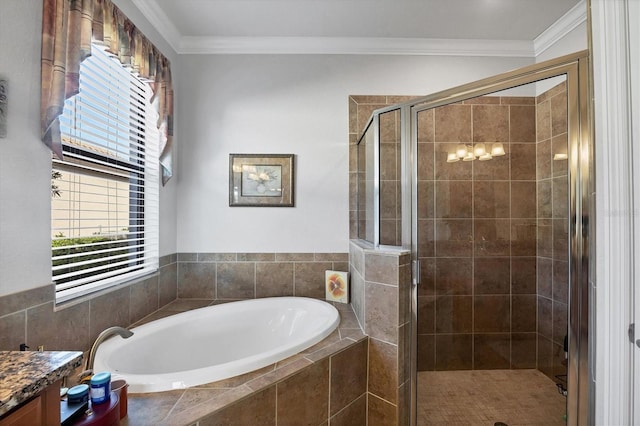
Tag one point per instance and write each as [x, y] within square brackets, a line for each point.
[354, 46]
[359, 45]
[567, 22]
[160, 21]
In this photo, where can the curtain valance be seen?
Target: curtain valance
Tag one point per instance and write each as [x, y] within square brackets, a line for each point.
[68, 29]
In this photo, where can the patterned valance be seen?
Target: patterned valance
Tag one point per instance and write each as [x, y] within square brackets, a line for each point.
[68, 29]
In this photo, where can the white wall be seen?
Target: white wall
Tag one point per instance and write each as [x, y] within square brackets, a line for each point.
[574, 41]
[25, 163]
[287, 104]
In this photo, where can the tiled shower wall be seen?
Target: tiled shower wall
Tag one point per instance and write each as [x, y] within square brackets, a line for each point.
[477, 237]
[553, 213]
[360, 109]
[528, 286]
[380, 296]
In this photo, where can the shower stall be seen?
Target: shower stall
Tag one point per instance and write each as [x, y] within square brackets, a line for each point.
[488, 187]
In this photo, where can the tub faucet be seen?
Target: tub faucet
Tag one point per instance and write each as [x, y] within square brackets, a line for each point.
[122, 332]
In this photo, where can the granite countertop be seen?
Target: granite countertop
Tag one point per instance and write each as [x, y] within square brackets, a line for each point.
[25, 374]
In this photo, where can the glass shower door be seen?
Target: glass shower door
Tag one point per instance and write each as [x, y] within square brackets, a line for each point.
[492, 243]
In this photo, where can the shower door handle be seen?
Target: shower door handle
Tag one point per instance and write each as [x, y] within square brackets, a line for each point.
[638, 343]
[416, 272]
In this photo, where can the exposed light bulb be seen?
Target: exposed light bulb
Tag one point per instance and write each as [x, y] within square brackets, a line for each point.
[557, 157]
[479, 150]
[497, 150]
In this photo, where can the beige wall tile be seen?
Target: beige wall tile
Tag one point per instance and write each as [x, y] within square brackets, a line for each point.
[454, 314]
[309, 279]
[380, 412]
[454, 352]
[196, 280]
[381, 312]
[65, 329]
[25, 299]
[109, 310]
[235, 280]
[453, 123]
[168, 284]
[454, 276]
[491, 199]
[274, 279]
[491, 351]
[522, 123]
[426, 126]
[348, 376]
[490, 123]
[309, 407]
[523, 161]
[12, 331]
[381, 268]
[259, 409]
[144, 299]
[353, 414]
[383, 370]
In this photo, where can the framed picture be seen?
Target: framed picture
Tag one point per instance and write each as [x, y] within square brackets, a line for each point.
[261, 180]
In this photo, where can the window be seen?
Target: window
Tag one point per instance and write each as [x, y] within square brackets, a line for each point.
[104, 195]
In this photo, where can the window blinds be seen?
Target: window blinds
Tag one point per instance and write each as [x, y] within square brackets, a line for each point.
[105, 193]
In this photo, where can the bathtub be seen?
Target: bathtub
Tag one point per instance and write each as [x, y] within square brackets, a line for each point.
[214, 343]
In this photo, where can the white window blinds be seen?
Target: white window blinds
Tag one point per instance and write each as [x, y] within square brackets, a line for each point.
[104, 201]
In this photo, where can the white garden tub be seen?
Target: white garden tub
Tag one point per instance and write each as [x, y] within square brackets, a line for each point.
[216, 342]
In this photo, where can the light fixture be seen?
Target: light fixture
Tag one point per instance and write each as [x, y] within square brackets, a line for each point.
[472, 152]
[497, 150]
[557, 157]
[452, 157]
[479, 150]
[469, 156]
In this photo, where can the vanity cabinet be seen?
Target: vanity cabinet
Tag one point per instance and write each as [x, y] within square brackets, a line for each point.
[30, 384]
[43, 409]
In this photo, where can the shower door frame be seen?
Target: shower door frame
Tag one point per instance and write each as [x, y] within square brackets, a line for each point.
[581, 185]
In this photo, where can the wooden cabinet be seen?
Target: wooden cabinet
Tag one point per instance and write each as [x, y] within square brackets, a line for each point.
[43, 409]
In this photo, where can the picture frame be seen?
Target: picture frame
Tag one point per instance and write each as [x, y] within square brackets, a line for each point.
[261, 180]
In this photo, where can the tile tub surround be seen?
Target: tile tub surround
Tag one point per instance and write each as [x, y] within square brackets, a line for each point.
[325, 382]
[25, 374]
[30, 316]
[380, 296]
[234, 276]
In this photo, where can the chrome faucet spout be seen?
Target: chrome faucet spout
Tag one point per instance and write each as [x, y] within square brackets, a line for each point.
[111, 331]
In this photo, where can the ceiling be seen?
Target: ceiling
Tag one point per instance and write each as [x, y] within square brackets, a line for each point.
[359, 26]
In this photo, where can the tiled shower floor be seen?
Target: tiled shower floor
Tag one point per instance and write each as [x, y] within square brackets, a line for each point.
[485, 397]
